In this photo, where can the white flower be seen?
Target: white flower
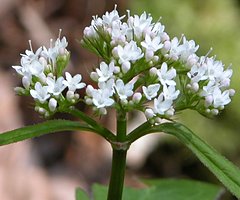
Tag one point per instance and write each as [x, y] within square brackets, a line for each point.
[73, 83]
[187, 49]
[140, 25]
[197, 73]
[124, 91]
[30, 56]
[213, 95]
[40, 93]
[165, 76]
[109, 18]
[101, 98]
[55, 87]
[53, 52]
[170, 92]
[119, 33]
[151, 91]
[35, 68]
[174, 49]
[90, 32]
[107, 85]
[130, 52]
[208, 89]
[105, 72]
[214, 69]
[162, 105]
[224, 78]
[29, 68]
[157, 29]
[152, 44]
[60, 45]
[220, 98]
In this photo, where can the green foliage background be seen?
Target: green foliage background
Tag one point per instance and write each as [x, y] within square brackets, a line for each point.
[211, 23]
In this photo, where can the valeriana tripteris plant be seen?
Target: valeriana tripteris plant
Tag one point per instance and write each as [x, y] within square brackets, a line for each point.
[142, 69]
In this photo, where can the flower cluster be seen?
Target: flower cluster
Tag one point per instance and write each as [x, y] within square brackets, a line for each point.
[144, 69]
[41, 73]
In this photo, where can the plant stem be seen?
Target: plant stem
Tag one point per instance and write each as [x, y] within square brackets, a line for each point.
[115, 189]
[102, 131]
[117, 175]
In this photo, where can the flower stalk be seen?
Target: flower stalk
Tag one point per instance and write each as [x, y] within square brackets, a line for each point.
[119, 154]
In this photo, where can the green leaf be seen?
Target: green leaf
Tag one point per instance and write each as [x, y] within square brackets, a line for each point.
[36, 130]
[80, 194]
[174, 189]
[99, 192]
[224, 170]
[165, 189]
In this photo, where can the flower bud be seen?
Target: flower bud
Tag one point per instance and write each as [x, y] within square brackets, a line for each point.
[102, 111]
[137, 97]
[149, 55]
[41, 110]
[47, 114]
[155, 58]
[166, 46]
[126, 66]
[153, 71]
[76, 96]
[214, 111]
[94, 76]
[88, 101]
[221, 107]
[195, 87]
[115, 52]
[26, 82]
[231, 92]
[158, 120]
[89, 32]
[208, 110]
[149, 113]
[170, 112]
[62, 51]
[116, 70]
[43, 61]
[70, 95]
[208, 100]
[124, 101]
[20, 90]
[52, 104]
[165, 36]
[89, 90]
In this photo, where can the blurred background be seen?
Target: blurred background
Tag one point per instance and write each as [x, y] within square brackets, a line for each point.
[52, 166]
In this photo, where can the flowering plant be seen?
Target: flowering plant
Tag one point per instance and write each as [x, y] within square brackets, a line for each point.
[141, 69]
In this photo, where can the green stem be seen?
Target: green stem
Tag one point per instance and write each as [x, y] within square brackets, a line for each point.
[104, 132]
[120, 148]
[138, 132]
[117, 175]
